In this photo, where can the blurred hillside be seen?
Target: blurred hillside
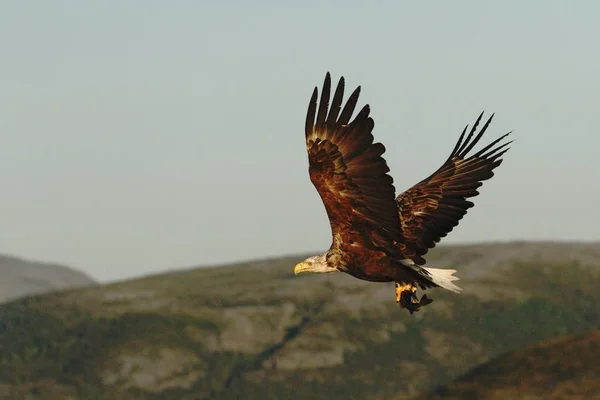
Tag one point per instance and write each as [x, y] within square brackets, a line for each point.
[557, 369]
[256, 331]
[21, 278]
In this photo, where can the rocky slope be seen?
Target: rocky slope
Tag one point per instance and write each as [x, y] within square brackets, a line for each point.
[256, 331]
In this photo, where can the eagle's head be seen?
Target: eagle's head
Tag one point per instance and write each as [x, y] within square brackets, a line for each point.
[316, 264]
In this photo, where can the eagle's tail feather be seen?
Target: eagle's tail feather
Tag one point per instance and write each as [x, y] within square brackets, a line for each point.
[443, 278]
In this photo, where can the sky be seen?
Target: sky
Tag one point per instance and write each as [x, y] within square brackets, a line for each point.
[143, 136]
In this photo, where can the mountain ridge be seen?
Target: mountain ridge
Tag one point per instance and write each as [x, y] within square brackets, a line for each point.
[22, 277]
[255, 331]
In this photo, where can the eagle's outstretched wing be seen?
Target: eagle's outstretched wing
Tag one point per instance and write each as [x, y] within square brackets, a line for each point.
[432, 208]
[349, 173]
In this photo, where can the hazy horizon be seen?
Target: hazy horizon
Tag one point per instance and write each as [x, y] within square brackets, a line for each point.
[144, 136]
[176, 268]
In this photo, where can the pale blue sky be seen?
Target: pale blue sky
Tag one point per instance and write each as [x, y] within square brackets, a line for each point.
[143, 135]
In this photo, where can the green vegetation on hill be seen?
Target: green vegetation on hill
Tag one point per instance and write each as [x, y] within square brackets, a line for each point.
[255, 331]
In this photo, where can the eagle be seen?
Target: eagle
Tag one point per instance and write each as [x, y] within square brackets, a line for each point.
[377, 236]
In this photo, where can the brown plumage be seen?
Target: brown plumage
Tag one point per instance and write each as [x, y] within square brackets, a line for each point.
[377, 236]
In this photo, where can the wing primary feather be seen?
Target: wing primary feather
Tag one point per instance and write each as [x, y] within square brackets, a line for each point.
[481, 152]
[310, 114]
[336, 105]
[497, 156]
[458, 144]
[349, 107]
[489, 146]
[471, 132]
[364, 113]
[324, 103]
[479, 135]
[494, 151]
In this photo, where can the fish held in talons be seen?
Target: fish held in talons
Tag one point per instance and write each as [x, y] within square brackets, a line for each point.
[406, 296]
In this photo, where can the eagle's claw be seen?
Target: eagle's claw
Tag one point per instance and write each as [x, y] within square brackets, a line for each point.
[406, 296]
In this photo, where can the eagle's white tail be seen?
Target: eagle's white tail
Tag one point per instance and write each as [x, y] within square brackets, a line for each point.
[443, 278]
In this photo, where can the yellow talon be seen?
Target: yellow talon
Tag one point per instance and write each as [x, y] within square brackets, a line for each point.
[406, 296]
[401, 289]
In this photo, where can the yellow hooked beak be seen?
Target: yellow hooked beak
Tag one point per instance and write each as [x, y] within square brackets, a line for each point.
[301, 267]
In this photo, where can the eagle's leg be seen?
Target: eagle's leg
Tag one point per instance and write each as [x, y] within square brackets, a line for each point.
[406, 296]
